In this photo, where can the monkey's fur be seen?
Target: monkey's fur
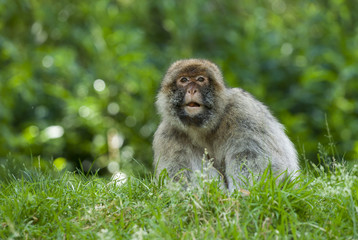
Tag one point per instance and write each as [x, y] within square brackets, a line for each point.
[240, 134]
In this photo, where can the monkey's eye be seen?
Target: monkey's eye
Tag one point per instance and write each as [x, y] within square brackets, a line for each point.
[184, 80]
[200, 79]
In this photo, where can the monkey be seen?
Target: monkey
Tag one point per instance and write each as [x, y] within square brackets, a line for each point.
[199, 112]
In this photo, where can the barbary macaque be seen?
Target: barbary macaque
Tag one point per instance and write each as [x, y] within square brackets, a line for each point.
[198, 113]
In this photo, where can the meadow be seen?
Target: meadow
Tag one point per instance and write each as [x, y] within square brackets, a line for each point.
[321, 204]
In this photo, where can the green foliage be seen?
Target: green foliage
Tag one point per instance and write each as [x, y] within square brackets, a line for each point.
[298, 57]
[318, 205]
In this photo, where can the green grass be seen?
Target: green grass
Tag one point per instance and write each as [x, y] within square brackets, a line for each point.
[322, 204]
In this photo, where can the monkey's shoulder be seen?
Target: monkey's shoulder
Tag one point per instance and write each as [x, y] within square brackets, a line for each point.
[243, 103]
[245, 111]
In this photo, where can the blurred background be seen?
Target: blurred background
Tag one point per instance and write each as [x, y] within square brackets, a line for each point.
[78, 79]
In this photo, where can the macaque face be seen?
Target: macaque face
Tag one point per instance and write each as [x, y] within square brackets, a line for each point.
[193, 96]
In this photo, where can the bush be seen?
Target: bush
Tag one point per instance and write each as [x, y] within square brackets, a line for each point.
[78, 80]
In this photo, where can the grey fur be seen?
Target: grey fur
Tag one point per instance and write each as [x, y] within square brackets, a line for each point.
[240, 134]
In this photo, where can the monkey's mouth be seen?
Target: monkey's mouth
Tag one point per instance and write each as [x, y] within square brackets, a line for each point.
[193, 108]
[193, 104]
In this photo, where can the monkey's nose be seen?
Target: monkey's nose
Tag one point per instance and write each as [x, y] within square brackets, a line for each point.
[192, 91]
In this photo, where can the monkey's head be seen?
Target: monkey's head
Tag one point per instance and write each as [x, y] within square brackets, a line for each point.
[192, 94]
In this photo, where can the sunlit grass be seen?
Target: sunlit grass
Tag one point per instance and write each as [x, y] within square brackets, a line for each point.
[320, 204]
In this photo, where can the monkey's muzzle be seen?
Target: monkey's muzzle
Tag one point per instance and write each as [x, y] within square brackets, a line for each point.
[193, 108]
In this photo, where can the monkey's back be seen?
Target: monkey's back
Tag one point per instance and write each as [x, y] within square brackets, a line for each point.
[257, 132]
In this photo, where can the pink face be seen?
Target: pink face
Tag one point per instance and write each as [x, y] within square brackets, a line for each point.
[193, 99]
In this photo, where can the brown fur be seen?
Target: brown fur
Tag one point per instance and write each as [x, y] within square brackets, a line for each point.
[239, 132]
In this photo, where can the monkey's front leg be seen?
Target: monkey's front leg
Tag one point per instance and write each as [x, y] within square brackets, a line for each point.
[185, 164]
[241, 167]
